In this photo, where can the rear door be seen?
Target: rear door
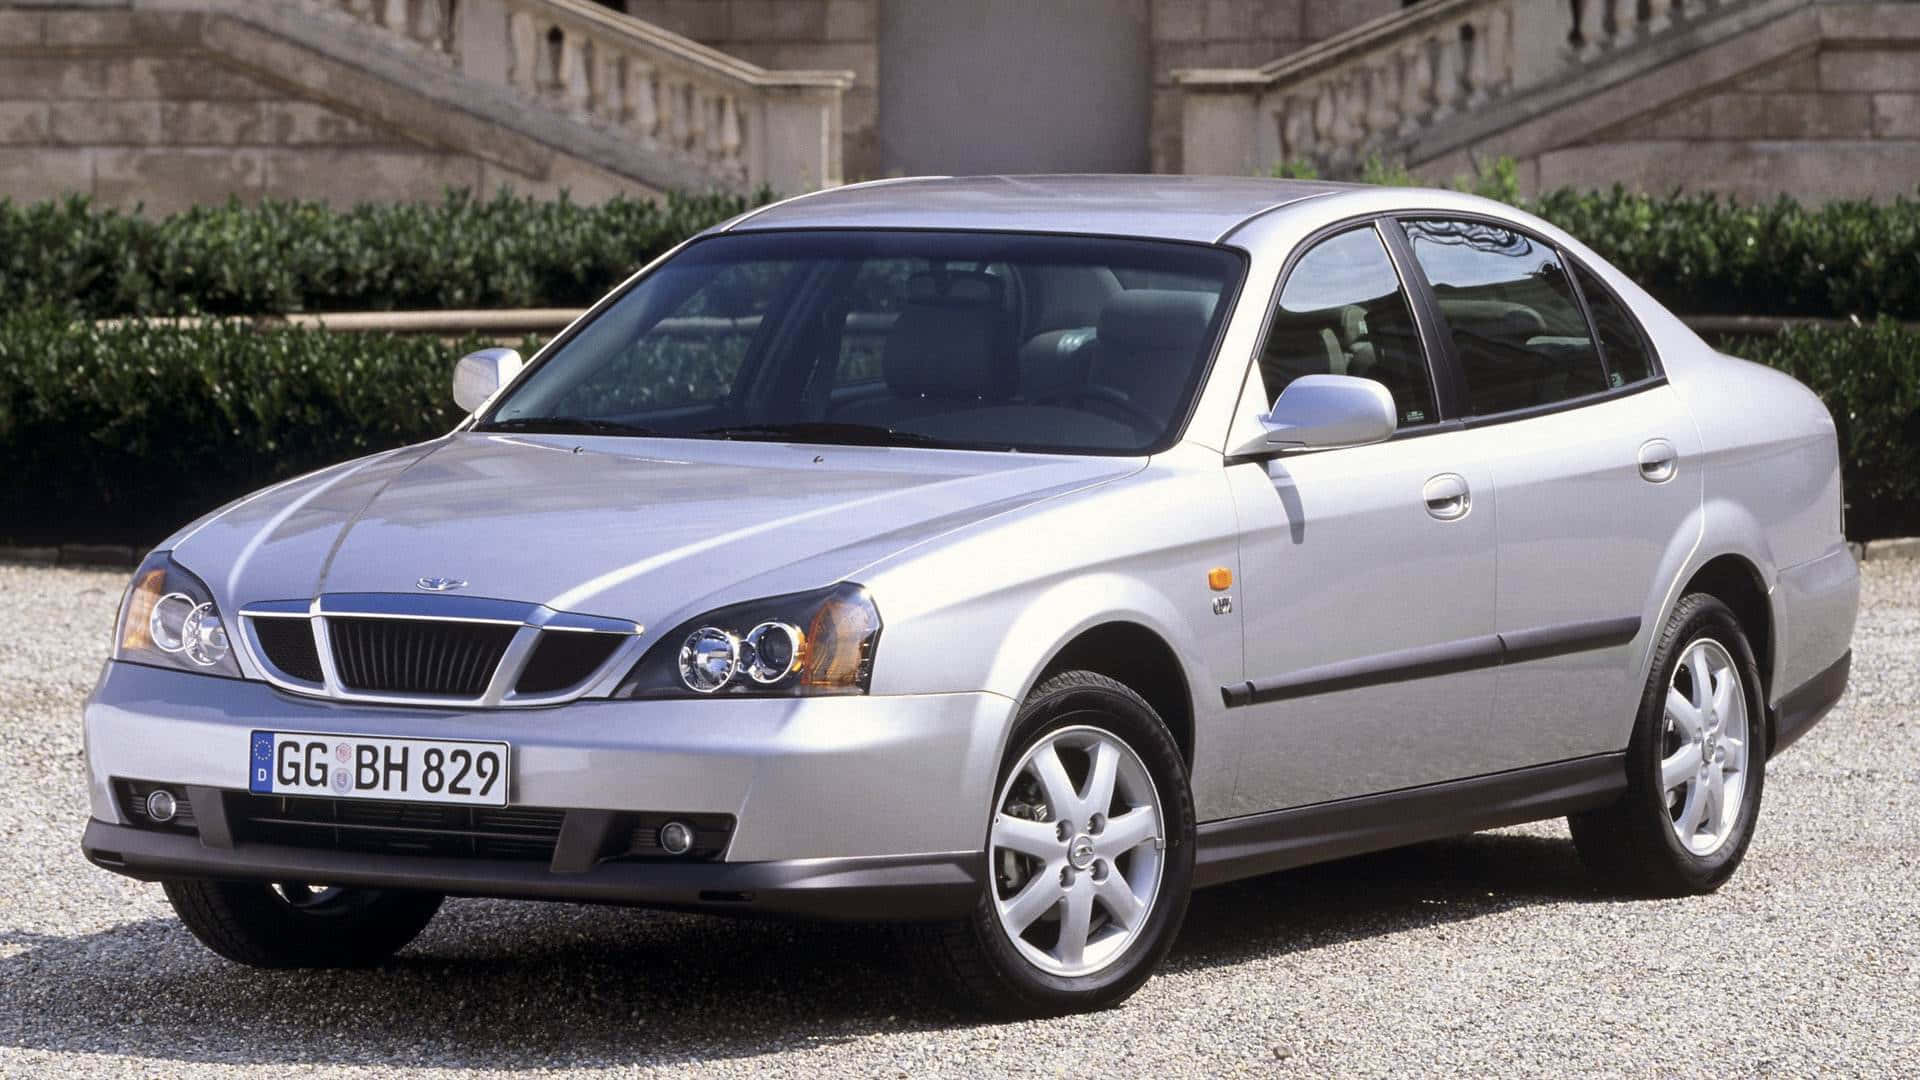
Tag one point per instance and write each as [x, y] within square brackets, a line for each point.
[1596, 467]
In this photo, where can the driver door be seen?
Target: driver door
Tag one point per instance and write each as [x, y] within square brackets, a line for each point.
[1367, 573]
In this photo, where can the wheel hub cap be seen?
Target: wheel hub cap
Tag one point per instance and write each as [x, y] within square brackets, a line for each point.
[1080, 852]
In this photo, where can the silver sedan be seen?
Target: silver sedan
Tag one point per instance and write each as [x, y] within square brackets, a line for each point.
[1007, 557]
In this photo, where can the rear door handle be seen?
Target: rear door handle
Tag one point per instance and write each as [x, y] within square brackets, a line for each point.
[1658, 461]
[1448, 497]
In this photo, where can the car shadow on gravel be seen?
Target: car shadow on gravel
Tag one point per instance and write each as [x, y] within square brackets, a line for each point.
[504, 985]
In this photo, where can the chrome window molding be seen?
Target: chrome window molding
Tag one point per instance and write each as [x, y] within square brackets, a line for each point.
[531, 620]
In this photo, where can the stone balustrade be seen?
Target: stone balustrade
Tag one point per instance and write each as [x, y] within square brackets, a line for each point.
[1375, 88]
[735, 124]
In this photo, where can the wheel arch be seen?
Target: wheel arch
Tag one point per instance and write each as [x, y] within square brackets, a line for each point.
[1140, 659]
[1736, 581]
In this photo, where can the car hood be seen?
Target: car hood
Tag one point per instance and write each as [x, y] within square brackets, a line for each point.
[643, 529]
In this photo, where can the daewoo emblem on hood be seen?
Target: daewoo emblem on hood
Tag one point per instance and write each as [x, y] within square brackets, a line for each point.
[439, 584]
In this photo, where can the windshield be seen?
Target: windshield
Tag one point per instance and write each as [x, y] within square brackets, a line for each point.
[959, 340]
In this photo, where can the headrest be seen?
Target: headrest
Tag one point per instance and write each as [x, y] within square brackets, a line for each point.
[1141, 320]
[953, 339]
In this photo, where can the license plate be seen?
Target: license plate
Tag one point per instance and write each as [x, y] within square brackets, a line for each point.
[364, 767]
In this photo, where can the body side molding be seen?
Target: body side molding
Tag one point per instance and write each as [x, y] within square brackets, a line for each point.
[1491, 650]
[1281, 839]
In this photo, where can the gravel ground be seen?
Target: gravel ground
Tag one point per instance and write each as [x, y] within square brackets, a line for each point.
[1490, 953]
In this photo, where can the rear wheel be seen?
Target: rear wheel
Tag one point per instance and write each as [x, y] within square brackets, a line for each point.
[1696, 765]
[299, 925]
[1089, 852]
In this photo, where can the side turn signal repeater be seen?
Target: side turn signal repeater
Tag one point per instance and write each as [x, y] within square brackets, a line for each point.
[1219, 579]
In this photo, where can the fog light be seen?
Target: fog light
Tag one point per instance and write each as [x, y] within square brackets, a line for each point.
[161, 806]
[676, 838]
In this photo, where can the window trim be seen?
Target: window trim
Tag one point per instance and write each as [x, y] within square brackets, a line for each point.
[1373, 220]
[1457, 374]
[1633, 320]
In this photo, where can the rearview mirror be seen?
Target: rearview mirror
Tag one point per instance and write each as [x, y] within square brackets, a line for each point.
[1321, 412]
[479, 374]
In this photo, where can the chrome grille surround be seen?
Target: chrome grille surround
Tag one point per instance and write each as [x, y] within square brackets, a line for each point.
[528, 622]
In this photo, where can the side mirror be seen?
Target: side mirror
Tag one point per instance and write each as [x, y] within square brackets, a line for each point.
[478, 375]
[1321, 412]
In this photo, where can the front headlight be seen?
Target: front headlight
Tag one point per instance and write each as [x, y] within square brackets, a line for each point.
[789, 646]
[168, 620]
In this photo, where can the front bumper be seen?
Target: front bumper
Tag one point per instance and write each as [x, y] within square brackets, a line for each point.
[826, 794]
[889, 887]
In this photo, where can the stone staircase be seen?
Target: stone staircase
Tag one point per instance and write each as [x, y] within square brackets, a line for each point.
[170, 102]
[1754, 97]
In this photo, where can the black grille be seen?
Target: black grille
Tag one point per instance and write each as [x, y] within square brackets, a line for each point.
[416, 656]
[563, 658]
[395, 828]
[288, 643]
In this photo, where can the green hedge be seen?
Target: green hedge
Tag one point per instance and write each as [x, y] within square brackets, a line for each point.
[296, 256]
[122, 433]
[1701, 254]
[1698, 253]
[1869, 376]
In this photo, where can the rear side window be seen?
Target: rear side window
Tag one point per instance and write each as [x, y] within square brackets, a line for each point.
[1628, 360]
[1343, 312]
[1510, 309]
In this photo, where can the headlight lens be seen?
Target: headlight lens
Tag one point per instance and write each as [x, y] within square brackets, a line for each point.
[789, 646]
[168, 619]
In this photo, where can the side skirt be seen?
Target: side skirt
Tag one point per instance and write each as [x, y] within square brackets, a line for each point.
[1278, 840]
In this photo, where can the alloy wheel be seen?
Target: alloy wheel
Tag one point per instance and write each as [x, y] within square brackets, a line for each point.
[1703, 766]
[1076, 848]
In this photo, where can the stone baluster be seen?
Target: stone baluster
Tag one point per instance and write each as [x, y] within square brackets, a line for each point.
[699, 114]
[677, 96]
[1416, 85]
[1447, 90]
[1383, 92]
[1296, 129]
[526, 48]
[1659, 15]
[732, 137]
[605, 84]
[430, 25]
[1626, 21]
[1479, 71]
[1323, 141]
[1592, 31]
[1497, 46]
[393, 15]
[643, 110]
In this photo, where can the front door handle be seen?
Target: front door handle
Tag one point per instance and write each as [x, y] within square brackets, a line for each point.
[1658, 461]
[1448, 497]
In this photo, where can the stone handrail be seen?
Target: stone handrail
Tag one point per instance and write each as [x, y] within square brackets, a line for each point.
[1377, 85]
[740, 125]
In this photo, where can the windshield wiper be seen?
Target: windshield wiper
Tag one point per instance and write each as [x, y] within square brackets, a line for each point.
[565, 425]
[815, 431]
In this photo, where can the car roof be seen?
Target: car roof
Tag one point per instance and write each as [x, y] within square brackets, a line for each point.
[1193, 208]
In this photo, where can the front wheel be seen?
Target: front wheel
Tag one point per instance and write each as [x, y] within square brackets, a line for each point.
[1089, 856]
[1696, 764]
[296, 925]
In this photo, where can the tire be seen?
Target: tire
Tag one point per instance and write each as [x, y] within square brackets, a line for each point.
[1636, 844]
[299, 926]
[1133, 893]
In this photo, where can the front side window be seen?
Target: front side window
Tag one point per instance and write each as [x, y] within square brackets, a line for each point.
[956, 340]
[1517, 330]
[1343, 312]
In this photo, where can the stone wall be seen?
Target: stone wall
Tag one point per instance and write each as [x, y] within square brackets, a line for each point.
[846, 34]
[167, 109]
[832, 35]
[1235, 34]
[1838, 120]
